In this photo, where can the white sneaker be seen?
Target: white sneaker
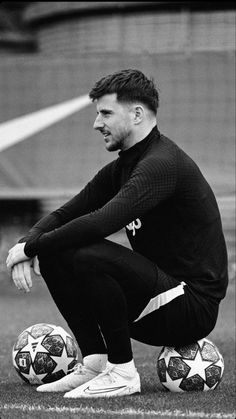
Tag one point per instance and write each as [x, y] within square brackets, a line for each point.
[79, 375]
[109, 383]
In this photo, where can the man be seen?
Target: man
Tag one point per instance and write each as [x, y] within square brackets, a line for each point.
[167, 290]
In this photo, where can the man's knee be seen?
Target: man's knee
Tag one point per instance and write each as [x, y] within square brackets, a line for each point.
[89, 257]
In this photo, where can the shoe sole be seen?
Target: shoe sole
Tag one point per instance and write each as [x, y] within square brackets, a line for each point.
[86, 393]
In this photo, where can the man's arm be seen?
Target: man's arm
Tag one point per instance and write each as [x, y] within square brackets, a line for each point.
[98, 191]
[94, 195]
[149, 184]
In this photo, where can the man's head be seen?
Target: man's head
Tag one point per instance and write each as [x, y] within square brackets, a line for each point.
[127, 103]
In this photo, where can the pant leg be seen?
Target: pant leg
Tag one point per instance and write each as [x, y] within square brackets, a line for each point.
[71, 300]
[135, 274]
[120, 284]
[99, 289]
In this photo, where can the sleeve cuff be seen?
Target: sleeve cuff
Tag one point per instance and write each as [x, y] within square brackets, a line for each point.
[31, 247]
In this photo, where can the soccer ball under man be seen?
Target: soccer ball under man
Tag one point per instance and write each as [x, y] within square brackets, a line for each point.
[44, 353]
[198, 366]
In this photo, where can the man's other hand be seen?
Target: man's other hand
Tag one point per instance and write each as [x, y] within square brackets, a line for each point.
[21, 275]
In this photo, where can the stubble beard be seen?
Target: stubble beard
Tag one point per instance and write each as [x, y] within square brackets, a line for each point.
[118, 143]
[114, 145]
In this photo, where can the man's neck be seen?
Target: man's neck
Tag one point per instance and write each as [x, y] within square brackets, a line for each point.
[138, 136]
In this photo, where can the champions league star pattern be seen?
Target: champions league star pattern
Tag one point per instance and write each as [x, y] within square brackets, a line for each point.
[44, 353]
[197, 367]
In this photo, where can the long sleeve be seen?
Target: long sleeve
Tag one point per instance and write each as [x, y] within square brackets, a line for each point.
[148, 185]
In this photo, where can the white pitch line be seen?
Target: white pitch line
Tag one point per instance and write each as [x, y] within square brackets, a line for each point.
[122, 412]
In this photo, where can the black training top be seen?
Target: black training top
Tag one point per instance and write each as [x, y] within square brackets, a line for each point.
[158, 193]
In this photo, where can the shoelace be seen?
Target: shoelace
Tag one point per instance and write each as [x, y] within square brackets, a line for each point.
[78, 368]
[110, 374]
[107, 373]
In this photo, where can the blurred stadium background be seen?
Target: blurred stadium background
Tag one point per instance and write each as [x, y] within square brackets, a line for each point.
[52, 52]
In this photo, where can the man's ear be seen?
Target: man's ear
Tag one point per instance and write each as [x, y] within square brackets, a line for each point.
[138, 114]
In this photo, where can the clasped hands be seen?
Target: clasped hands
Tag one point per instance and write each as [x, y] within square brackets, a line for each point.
[20, 266]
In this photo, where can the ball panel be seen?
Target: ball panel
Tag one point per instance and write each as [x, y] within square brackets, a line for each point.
[21, 341]
[43, 363]
[23, 361]
[53, 377]
[40, 329]
[71, 347]
[177, 368]
[213, 375]
[209, 352]
[161, 369]
[54, 344]
[194, 383]
[188, 352]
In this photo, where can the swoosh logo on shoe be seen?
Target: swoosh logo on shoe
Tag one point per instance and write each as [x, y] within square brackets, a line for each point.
[104, 390]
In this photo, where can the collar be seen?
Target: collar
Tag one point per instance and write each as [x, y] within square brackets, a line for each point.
[134, 152]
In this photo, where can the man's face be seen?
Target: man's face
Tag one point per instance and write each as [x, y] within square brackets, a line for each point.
[114, 122]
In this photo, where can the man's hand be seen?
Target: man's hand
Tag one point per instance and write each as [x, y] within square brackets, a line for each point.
[15, 255]
[21, 275]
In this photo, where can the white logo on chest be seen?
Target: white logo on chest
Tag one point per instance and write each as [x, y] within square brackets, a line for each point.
[135, 225]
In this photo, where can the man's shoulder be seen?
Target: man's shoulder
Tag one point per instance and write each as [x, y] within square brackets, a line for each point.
[187, 168]
[170, 149]
[169, 144]
[110, 165]
[159, 158]
[161, 149]
[166, 155]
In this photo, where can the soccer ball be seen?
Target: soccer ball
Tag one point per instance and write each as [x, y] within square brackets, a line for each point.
[44, 353]
[196, 367]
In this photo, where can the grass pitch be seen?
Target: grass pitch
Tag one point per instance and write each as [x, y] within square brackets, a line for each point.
[19, 400]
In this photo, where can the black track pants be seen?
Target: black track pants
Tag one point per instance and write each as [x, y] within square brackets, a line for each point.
[107, 293]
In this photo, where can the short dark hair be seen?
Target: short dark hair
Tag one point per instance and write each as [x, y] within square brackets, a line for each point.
[130, 86]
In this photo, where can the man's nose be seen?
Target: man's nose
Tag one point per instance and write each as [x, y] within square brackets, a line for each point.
[98, 123]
